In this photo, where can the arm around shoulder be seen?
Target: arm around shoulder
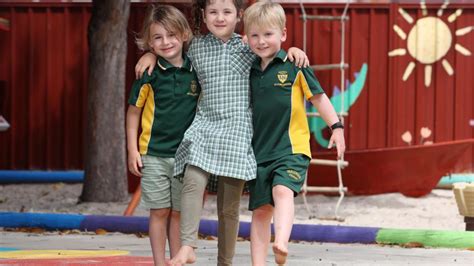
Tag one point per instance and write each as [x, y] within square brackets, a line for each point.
[147, 61]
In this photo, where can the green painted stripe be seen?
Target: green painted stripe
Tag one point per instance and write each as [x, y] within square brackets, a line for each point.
[429, 238]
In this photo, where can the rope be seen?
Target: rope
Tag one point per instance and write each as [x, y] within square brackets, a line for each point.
[341, 67]
[341, 111]
[303, 14]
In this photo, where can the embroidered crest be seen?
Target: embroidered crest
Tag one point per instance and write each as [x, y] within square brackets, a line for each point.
[282, 76]
[193, 88]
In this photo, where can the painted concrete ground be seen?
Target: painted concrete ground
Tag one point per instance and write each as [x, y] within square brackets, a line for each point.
[52, 248]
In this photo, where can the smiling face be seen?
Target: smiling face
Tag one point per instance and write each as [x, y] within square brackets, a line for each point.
[166, 44]
[265, 41]
[221, 18]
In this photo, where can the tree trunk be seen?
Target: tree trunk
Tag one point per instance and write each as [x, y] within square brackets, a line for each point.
[105, 157]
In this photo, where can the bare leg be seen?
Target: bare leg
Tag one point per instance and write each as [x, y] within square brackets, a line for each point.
[283, 221]
[228, 201]
[260, 234]
[194, 184]
[157, 230]
[173, 233]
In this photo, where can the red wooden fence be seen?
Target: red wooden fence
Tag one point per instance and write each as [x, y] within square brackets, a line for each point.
[43, 63]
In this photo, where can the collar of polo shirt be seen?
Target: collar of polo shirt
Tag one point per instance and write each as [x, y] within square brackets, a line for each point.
[234, 38]
[281, 55]
[165, 65]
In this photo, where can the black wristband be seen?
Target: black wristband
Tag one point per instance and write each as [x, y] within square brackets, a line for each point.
[337, 125]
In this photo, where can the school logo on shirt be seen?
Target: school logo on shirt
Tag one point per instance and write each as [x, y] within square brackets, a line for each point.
[193, 89]
[282, 77]
[293, 174]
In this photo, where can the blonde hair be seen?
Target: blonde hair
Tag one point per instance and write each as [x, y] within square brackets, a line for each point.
[264, 14]
[171, 18]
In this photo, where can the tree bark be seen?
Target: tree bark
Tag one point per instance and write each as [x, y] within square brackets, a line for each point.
[105, 155]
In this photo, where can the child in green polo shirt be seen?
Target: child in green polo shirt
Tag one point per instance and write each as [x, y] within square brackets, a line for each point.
[281, 133]
[168, 95]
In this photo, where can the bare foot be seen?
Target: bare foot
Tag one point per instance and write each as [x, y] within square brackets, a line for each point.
[168, 262]
[281, 252]
[185, 255]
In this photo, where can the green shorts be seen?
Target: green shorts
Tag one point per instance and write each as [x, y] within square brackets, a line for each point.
[289, 171]
[159, 188]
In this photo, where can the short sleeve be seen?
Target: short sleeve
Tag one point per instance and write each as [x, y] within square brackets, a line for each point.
[309, 83]
[140, 90]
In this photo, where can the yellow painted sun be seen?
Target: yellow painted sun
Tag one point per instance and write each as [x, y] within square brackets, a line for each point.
[429, 40]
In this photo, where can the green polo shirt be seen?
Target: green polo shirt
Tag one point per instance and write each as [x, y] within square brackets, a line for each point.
[279, 113]
[168, 98]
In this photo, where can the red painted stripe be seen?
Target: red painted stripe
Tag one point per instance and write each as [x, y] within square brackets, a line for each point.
[116, 260]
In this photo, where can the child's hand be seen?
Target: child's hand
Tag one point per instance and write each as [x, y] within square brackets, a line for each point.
[298, 57]
[147, 60]
[135, 163]
[245, 39]
[337, 138]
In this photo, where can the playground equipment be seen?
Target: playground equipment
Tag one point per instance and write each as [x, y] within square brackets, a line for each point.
[464, 194]
[342, 66]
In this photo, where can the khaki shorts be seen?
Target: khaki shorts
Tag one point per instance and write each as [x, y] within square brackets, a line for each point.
[288, 171]
[159, 188]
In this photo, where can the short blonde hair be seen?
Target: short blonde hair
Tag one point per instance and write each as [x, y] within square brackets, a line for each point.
[264, 14]
[171, 18]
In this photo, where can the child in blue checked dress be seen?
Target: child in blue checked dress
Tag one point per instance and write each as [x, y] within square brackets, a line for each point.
[219, 141]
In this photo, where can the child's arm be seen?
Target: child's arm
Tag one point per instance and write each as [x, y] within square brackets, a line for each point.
[298, 56]
[327, 112]
[134, 159]
[147, 60]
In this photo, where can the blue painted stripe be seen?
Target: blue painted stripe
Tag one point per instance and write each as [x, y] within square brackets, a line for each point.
[41, 220]
[26, 176]
[209, 228]
[124, 224]
[454, 178]
[10, 176]
[127, 224]
[7, 249]
[337, 234]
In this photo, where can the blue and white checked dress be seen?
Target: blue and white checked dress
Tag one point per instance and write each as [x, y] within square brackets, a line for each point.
[219, 140]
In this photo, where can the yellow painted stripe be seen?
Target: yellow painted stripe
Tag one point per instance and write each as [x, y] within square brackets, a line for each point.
[298, 129]
[146, 98]
[55, 254]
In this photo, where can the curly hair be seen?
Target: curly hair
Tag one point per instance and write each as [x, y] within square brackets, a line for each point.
[199, 5]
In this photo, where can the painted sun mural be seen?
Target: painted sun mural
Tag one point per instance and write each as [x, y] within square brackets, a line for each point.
[429, 40]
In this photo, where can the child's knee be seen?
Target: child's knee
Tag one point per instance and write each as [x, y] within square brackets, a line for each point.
[229, 209]
[280, 191]
[262, 213]
[160, 213]
[175, 214]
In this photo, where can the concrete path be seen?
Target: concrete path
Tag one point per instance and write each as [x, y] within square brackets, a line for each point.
[64, 249]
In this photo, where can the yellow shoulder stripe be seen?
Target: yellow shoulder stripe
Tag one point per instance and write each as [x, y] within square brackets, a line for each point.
[300, 79]
[146, 99]
[298, 129]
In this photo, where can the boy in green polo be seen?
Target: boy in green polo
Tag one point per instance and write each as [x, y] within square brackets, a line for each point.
[281, 133]
[165, 102]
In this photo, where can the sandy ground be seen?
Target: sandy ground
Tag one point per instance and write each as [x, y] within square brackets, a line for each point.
[437, 210]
